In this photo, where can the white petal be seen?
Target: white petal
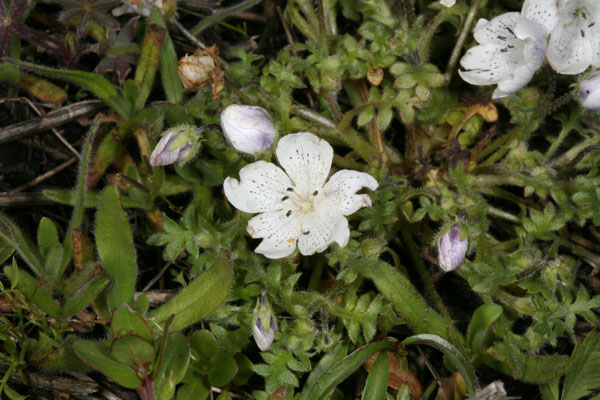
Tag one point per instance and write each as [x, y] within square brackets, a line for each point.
[307, 160]
[320, 229]
[447, 3]
[569, 52]
[278, 230]
[542, 12]
[485, 64]
[339, 194]
[261, 187]
[518, 78]
[499, 30]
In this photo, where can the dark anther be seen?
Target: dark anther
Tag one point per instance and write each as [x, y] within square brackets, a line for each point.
[316, 192]
[306, 233]
[510, 30]
[582, 33]
[284, 198]
[290, 189]
[287, 214]
[501, 37]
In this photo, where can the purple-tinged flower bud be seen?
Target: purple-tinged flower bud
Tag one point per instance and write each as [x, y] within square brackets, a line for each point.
[247, 128]
[589, 91]
[451, 250]
[264, 325]
[174, 146]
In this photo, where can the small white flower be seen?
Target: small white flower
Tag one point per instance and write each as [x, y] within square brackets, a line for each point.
[575, 41]
[511, 48]
[451, 250]
[247, 128]
[298, 207]
[589, 91]
[447, 3]
[264, 325]
[173, 146]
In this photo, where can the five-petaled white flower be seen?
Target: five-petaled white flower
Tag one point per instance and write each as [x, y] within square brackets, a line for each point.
[511, 48]
[298, 207]
[575, 40]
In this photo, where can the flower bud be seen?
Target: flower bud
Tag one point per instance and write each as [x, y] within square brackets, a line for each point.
[447, 3]
[174, 146]
[589, 91]
[247, 128]
[264, 325]
[451, 250]
[201, 69]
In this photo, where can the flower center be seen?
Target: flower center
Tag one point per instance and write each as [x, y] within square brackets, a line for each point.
[306, 206]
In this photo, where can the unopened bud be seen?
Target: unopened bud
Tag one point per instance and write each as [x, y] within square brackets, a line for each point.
[201, 69]
[451, 249]
[264, 325]
[247, 128]
[589, 91]
[174, 146]
[448, 3]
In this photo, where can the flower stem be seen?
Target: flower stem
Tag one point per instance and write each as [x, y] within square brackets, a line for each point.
[349, 136]
[432, 294]
[461, 40]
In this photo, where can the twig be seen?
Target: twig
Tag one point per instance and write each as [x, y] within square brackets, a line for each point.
[222, 14]
[53, 383]
[52, 119]
[23, 199]
[157, 277]
[45, 176]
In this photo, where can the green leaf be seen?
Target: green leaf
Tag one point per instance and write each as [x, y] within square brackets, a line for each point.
[125, 320]
[97, 355]
[28, 251]
[377, 381]
[338, 352]
[6, 250]
[199, 298]
[223, 369]
[115, 247]
[529, 367]
[481, 325]
[168, 72]
[132, 350]
[174, 361]
[406, 301]
[93, 82]
[47, 235]
[584, 375]
[148, 62]
[39, 295]
[83, 297]
[204, 343]
[197, 390]
[344, 367]
[453, 354]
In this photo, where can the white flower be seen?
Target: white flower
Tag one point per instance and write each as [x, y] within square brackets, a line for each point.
[447, 3]
[575, 41]
[264, 325]
[589, 91]
[451, 250]
[511, 49]
[247, 128]
[174, 146]
[542, 12]
[298, 206]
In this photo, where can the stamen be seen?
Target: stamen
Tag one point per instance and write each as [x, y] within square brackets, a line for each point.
[501, 37]
[316, 192]
[306, 233]
[287, 214]
[284, 198]
[592, 24]
[290, 189]
[582, 33]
